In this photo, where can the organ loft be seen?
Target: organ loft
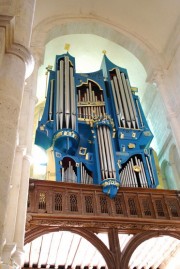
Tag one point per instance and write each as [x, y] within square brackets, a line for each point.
[96, 128]
[106, 187]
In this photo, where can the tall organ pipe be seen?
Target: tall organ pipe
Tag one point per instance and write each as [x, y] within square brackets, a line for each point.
[116, 105]
[61, 95]
[67, 92]
[101, 138]
[150, 171]
[65, 96]
[106, 152]
[57, 101]
[122, 110]
[132, 102]
[101, 154]
[111, 152]
[51, 100]
[124, 102]
[129, 105]
[73, 105]
[139, 112]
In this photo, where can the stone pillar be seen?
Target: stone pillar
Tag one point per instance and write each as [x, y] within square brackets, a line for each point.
[17, 206]
[22, 211]
[114, 246]
[14, 195]
[159, 78]
[8, 251]
[14, 65]
[25, 131]
[12, 74]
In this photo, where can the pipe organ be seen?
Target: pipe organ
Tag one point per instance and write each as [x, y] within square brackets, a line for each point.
[96, 127]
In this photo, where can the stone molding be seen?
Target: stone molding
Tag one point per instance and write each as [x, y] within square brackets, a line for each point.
[8, 23]
[51, 28]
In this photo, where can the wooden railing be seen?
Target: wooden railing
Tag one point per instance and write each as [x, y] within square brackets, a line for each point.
[133, 209]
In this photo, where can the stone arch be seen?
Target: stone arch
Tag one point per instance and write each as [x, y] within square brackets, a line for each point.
[52, 28]
[135, 241]
[88, 235]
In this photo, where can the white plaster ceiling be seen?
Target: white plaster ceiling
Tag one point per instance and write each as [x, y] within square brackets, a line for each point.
[151, 21]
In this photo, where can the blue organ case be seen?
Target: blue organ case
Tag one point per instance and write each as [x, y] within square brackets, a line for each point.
[96, 127]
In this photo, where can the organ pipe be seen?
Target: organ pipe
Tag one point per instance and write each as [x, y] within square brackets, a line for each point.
[106, 152]
[60, 93]
[95, 120]
[133, 174]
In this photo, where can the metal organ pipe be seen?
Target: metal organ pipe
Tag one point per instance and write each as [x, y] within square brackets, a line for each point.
[67, 92]
[129, 105]
[85, 177]
[106, 152]
[119, 102]
[139, 112]
[150, 171]
[101, 155]
[115, 101]
[69, 174]
[51, 100]
[124, 102]
[111, 152]
[61, 99]
[90, 102]
[144, 175]
[65, 96]
[57, 101]
[132, 102]
[134, 174]
[104, 160]
[130, 178]
[73, 101]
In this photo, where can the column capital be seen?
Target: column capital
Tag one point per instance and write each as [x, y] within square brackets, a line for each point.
[24, 54]
[8, 23]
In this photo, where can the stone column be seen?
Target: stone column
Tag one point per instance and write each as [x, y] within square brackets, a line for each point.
[159, 78]
[16, 65]
[12, 74]
[26, 131]
[14, 195]
[22, 211]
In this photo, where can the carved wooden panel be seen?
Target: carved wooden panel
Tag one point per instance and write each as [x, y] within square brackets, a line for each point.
[86, 206]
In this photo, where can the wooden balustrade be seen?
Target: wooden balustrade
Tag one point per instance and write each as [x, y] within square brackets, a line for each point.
[132, 210]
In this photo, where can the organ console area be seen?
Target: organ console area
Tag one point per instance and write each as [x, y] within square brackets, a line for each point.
[96, 128]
